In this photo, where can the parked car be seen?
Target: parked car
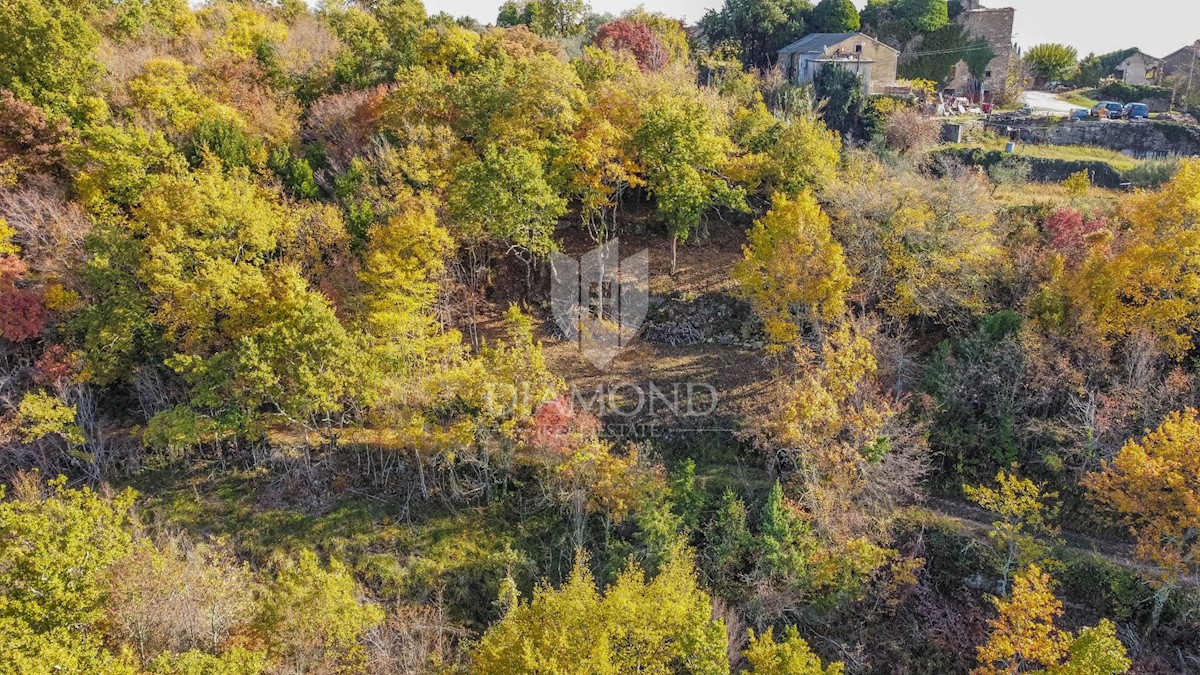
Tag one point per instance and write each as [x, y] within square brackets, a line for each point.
[1108, 109]
[1135, 111]
[1081, 113]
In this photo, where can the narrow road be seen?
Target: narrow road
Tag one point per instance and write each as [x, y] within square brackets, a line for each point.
[1045, 103]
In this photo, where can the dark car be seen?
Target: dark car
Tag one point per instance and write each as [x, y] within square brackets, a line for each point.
[1108, 109]
[1136, 111]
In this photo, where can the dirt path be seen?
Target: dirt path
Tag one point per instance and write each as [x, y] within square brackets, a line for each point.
[980, 520]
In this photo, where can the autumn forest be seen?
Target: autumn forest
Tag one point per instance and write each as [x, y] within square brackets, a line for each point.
[284, 387]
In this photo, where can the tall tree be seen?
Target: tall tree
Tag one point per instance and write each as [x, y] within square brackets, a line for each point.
[756, 29]
[47, 47]
[899, 21]
[1023, 638]
[1153, 485]
[841, 89]
[637, 39]
[793, 270]
[683, 153]
[1020, 504]
[557, 18]
[835, 16]
[1052, 62]
[56, 545]
[504, 196]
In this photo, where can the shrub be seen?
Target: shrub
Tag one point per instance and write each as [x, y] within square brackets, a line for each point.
[1078, 184]
[1069, 233]
[315, 618]
[222, 138]
[1125, 93]
[1152, 174]
[911, 133]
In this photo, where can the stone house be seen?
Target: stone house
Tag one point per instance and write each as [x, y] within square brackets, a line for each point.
[1139, 69]
[1183, 63]
[995, 27]
[875, 62]
[1181, 72]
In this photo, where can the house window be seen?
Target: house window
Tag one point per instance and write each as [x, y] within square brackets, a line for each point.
[987, 73]
[858, 49]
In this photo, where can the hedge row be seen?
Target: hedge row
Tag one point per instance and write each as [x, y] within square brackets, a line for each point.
[1041, 170]
[1134, 93]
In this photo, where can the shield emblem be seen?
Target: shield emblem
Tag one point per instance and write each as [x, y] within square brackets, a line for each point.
[600, 301]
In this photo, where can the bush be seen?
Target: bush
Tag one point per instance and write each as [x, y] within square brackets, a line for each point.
[1152, 174]
[314, 617]
[222, 138]
[1040, 170]
[911, 133]
[842, 93]
[1126, 93]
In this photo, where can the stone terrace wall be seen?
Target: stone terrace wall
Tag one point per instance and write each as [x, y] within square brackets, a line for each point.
[1138, 139]
[1141, 139]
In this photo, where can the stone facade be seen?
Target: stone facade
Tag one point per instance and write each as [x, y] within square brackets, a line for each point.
[872, 60]
[1139, 69]
[994, 26]
[1181, 63]
[1181, 73]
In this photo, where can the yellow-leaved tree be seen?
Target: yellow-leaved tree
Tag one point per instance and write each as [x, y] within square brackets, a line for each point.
[657, 627]
[1153, 485]
[1023, 514]
[1141, 279]
[851, 456]
[793, 269]
[402, 266]
[916, 246]
[1023, 638]
[792, 656]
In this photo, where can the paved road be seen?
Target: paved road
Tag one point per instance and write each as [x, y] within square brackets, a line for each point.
[1048, 104]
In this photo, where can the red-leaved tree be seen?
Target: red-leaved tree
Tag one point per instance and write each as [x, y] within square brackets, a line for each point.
[22, 312]
[635, 38]
[1069, 233]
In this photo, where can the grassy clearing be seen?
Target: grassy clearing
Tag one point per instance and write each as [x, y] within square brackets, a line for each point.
[1068, 153]
[1054, 194]
[400, 553]
[1080, 97]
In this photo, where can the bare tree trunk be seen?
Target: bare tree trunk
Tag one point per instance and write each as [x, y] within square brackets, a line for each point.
[472, 298]
[421, 474]
[1161, 595]
[578, 521]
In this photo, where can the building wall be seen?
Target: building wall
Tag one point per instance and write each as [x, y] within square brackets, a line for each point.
[882, 73]
[887, 64]
[877, 66]
[994, 26]
[1180, 63]
[863, 69]
[1139, 70]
